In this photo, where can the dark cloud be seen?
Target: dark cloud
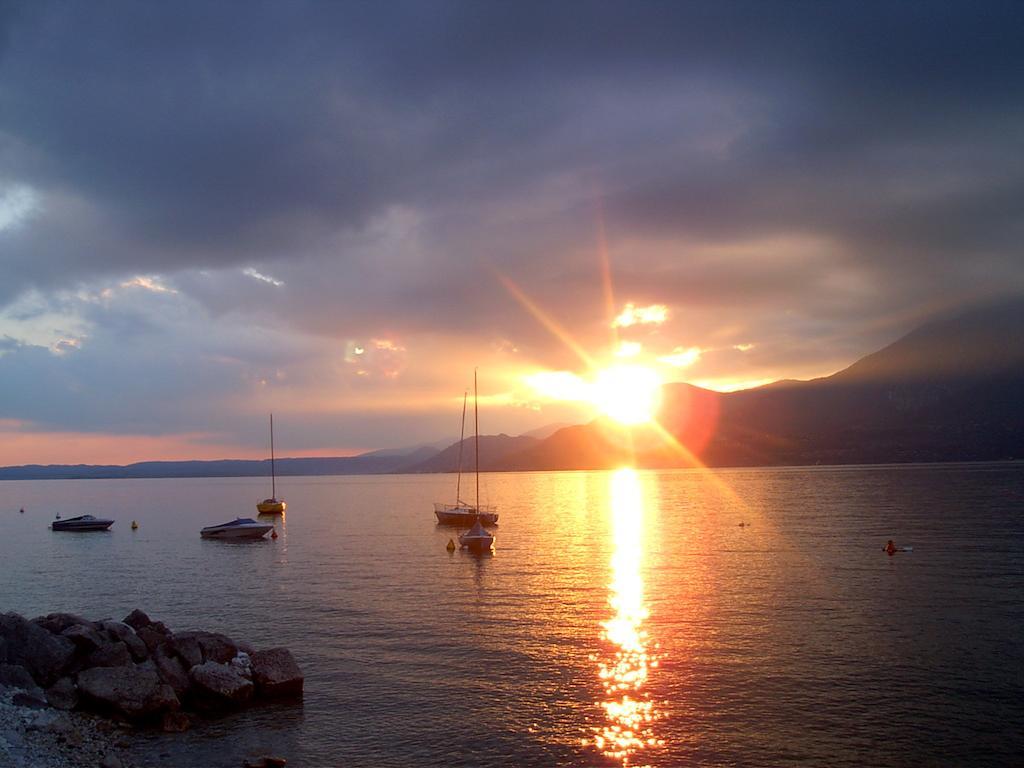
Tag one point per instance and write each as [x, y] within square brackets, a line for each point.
[852, 163]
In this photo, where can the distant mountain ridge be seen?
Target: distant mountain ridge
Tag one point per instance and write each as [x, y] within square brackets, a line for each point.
[950, 390]
[368, 463]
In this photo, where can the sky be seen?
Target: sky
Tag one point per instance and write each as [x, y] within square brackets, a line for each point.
[336, 211]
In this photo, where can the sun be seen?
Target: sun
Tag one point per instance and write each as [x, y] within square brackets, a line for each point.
[628, 394]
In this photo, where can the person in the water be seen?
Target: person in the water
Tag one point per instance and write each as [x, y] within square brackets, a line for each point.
[890, 548]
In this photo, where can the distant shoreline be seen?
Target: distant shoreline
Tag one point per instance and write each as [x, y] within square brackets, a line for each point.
[8, 473]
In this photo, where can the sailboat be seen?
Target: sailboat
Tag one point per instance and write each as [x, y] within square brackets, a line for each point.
[461, 513]
[476, 539]
[273, 505]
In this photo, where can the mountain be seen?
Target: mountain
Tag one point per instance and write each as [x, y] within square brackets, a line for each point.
[542, 433]
[495, 453]
[375, 462]
[947, 391]
[951, 390]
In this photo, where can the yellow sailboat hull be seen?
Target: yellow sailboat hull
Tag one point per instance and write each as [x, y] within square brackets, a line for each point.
[271, 507]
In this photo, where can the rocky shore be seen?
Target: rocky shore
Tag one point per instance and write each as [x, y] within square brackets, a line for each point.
[71, 689]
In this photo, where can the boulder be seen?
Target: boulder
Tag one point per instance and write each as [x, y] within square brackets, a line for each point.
[212, 646]
[152, 638]
[111, 655]
[219, 685]
[43, 654]
[118, 630]
[16, 676]
[63, 694]
[58, 622]
[135, 692]
[171, 671]
[85, 637]
[275, 673]
[217, 647]
[186, 647]
[137, 620]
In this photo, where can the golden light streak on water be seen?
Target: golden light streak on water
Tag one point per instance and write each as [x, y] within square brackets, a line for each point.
[630, 712]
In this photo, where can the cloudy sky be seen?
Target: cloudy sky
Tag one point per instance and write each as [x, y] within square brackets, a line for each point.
[334, 211]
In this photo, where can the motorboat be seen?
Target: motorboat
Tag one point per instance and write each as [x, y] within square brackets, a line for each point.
[460, 513]
[273, 505]
[476, 539]
[81, 523]
[239, 528]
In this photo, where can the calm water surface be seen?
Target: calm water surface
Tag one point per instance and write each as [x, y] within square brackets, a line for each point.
[624, 618]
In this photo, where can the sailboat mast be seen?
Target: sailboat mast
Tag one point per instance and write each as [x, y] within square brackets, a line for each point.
[462, 438]
[476, 429]
[273, 474]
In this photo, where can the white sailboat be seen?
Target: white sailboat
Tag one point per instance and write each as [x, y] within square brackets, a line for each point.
[476, 539]
[273, 505]
[461, 513]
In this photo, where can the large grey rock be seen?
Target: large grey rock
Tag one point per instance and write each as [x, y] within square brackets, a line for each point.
[43, 654]
[63, 694]
[185, 646]
[58, 622]
[171, 671]
[85, 637]
[118, 630]
[16, 676]
[137, 620]
[153, 638]
[217, 647]
[275, 673]
[212, 647]
[219, 685]
[111, 655]
[135, 692]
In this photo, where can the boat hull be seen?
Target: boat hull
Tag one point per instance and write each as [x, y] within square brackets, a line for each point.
[271, 507]
[477, 543]
[464, 517]
[95, 525]
[237, 532]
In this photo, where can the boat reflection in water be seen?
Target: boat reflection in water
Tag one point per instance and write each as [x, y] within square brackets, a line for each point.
[625, 663]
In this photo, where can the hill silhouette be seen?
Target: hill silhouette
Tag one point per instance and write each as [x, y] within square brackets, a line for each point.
[948, 391]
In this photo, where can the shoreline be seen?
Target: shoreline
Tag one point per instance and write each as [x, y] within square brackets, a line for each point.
[37, 737]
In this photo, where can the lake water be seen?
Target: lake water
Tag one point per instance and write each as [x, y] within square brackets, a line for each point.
[623, 619]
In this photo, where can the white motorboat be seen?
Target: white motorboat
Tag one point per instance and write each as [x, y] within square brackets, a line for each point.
[476, 539]
[239, 528]
[461, 513]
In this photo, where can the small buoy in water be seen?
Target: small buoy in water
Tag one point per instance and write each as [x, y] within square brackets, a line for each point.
[135, 526]
[451, 545]
[58, 516]
[22, 510]
[273, 534]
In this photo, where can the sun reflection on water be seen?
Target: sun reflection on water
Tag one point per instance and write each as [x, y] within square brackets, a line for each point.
[625, 665]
